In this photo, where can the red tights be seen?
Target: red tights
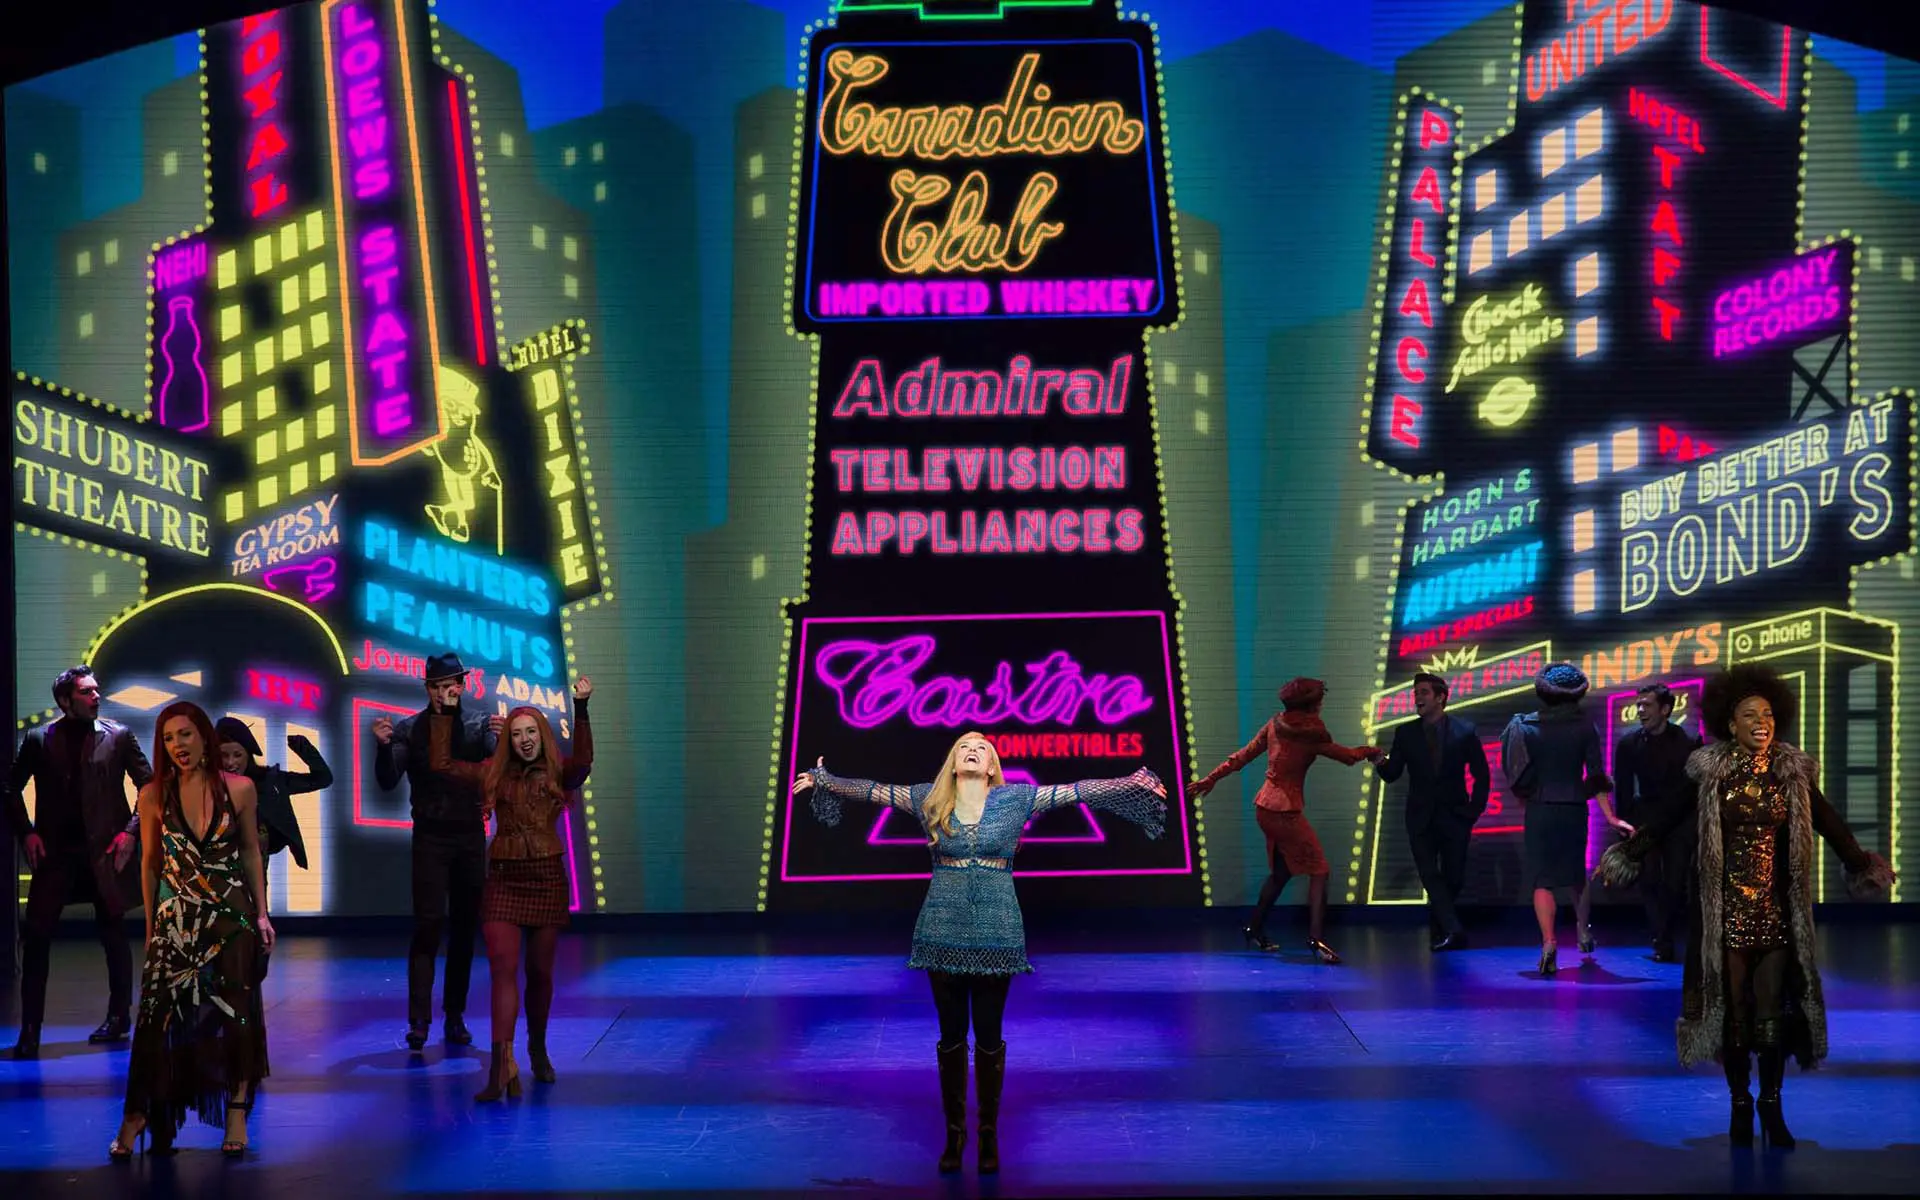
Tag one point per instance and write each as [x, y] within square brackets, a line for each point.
[503, 963]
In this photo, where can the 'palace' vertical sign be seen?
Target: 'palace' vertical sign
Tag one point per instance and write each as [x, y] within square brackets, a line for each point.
[984, 237]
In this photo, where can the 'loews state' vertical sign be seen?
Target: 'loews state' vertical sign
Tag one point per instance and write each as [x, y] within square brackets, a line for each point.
[392, 344]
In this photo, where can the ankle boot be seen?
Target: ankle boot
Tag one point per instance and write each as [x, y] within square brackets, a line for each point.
[953, 1101]
[1773, 1072]
[1739, 1067]
[503, 1076]
[990, 1071]
[537, 1057]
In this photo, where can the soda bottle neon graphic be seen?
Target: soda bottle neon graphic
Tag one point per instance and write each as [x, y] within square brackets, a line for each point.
[183, 402]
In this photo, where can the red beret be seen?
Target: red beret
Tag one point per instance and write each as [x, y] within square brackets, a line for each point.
[1302, 692]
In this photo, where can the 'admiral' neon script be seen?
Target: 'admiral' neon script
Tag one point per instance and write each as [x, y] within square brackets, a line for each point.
[1011, 207]
[1410, 281]
[876, 682]
[390, 385]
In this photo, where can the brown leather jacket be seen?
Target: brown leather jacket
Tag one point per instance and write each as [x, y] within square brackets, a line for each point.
[527, 817]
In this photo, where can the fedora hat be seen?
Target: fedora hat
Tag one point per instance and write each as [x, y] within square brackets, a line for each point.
[445, 666]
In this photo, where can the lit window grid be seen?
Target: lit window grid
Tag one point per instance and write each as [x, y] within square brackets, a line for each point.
[294, 455]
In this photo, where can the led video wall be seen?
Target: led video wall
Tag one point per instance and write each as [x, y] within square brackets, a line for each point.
[829, 378]
[1621, 363]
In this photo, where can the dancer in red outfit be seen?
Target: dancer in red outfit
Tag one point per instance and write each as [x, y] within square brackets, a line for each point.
[1292, 740]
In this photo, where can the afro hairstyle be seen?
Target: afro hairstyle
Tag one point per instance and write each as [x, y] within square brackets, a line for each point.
[1725, 691]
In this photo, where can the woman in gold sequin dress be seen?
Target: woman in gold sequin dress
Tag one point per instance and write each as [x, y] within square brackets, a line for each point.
[1757, 987]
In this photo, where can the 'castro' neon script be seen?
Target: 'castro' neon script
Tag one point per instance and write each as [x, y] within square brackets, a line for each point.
[875, 683]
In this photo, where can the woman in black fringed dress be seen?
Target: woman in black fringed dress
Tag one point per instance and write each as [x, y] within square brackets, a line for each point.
[199, 1046]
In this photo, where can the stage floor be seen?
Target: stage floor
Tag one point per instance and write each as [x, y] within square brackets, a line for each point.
[1173, 1062]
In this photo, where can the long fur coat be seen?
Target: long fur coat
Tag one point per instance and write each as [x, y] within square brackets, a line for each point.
[1701, 1039]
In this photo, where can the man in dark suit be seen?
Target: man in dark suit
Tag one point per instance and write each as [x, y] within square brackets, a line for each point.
[81, 838]
[1650, 773]
[449, 846]
[1438, 752]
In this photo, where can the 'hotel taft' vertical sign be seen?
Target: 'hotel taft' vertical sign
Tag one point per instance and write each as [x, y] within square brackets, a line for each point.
[392, 341]
[1412, 279]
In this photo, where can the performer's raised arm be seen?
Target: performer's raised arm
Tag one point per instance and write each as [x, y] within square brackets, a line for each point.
[1140, 798]
[831, 792]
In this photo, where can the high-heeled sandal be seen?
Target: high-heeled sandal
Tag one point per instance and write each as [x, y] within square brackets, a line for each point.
[1323, 952]
[503, 1076]
[123, 1148]
[231, 1146]
[1257, 938]
[1549, 959]
[1586, 939]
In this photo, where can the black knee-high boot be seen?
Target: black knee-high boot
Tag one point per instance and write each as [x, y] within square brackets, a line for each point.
[1739, 1067]
[953, 1099]
[990, 1070]
[1773, 1072]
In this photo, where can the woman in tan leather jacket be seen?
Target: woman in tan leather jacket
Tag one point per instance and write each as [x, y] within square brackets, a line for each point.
[527, 784]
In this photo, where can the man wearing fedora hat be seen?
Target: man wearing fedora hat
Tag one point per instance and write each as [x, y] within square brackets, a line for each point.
[449, 845]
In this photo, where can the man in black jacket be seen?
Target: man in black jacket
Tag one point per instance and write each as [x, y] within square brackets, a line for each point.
[1650, 773]
[80, 841]
[449, 847]
[1440, 751]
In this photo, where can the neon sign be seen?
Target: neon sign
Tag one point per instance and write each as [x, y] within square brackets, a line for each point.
[932, 390]
[391, 380]
[1663, 118]
[1768, 500]
[1014, 179]
[875, 683]
[1667, 240]
[276, 688]
[1468, 677]
[1410, 279]
[180, 266]
[183, 401]
[1657, 655]
[262, 51]
[576, 554]
[1468, 626]
[554, 342]
[81, 470]
[1601, 32]
[1506, 573]
[486, 587]
[287, 537]
[886, 682]
[1803, 297]
[1473, 516]
[1020, 124]
[1502, 333]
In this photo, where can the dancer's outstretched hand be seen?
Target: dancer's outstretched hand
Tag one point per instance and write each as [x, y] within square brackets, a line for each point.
[804, 780]
[1148, 780]
[1199, 788]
